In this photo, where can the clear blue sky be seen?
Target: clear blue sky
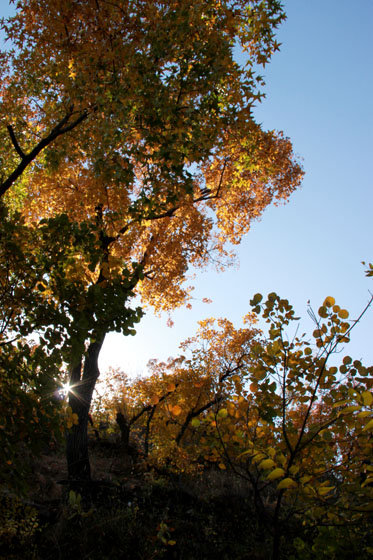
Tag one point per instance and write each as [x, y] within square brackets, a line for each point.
[319, 92]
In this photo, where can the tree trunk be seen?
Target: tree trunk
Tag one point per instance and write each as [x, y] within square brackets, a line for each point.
[276, 542]
[124, 427]
[80, 397]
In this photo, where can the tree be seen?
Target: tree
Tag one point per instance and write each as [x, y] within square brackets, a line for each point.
[275, 411]
[134, 120]
[168, 405]
[29, 412]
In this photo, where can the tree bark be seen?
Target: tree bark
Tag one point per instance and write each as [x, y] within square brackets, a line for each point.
[80, 397]
[124, 427]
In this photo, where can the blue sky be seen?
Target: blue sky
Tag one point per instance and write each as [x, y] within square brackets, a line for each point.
[319, 92]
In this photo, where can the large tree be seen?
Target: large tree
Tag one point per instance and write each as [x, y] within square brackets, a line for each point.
[134, 120]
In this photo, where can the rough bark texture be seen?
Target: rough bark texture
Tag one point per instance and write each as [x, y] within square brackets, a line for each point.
[80, 397]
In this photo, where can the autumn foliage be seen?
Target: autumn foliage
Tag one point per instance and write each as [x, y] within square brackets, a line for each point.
[129, 153]
[128, 129]
[270, 409]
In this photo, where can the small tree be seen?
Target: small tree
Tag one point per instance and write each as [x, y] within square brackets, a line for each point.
[275, 411]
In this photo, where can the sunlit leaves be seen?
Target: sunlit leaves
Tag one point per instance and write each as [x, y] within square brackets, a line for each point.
[176, 410]
[368, 426]
[71, 418]
[266, 464]
[295, 428]
[323, 490]
[286, 483]
[329, 301]
[132, 138]
[276, 473]
[367, 398]
[168, 136]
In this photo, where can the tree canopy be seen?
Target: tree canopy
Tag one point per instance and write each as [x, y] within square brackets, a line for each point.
[130, 154]
[129, 146]
[162, 127]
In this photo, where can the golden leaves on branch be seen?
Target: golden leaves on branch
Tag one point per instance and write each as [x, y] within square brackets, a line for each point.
[170, 153]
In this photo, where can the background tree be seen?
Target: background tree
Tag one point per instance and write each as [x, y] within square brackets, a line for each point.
[167, 406]
[135, 119]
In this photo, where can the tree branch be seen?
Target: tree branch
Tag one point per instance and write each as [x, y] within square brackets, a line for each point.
[26, 159]
[14, 140]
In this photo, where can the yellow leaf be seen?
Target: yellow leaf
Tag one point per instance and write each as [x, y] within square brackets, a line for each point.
[306, 478]
[369, 426]
[343, 314]
[368, 480]
[266, 464]
[329, 301]
[324, 490]
[348, 409]
[339, 403]
[154, 400]
[276, 473]
[223, 413]
[195, 422]
[294, 469]
[286, 483]
[171, 387]
[364, 414]
[367, 398]
[222, 466]
[282, 459]
[258, 457]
